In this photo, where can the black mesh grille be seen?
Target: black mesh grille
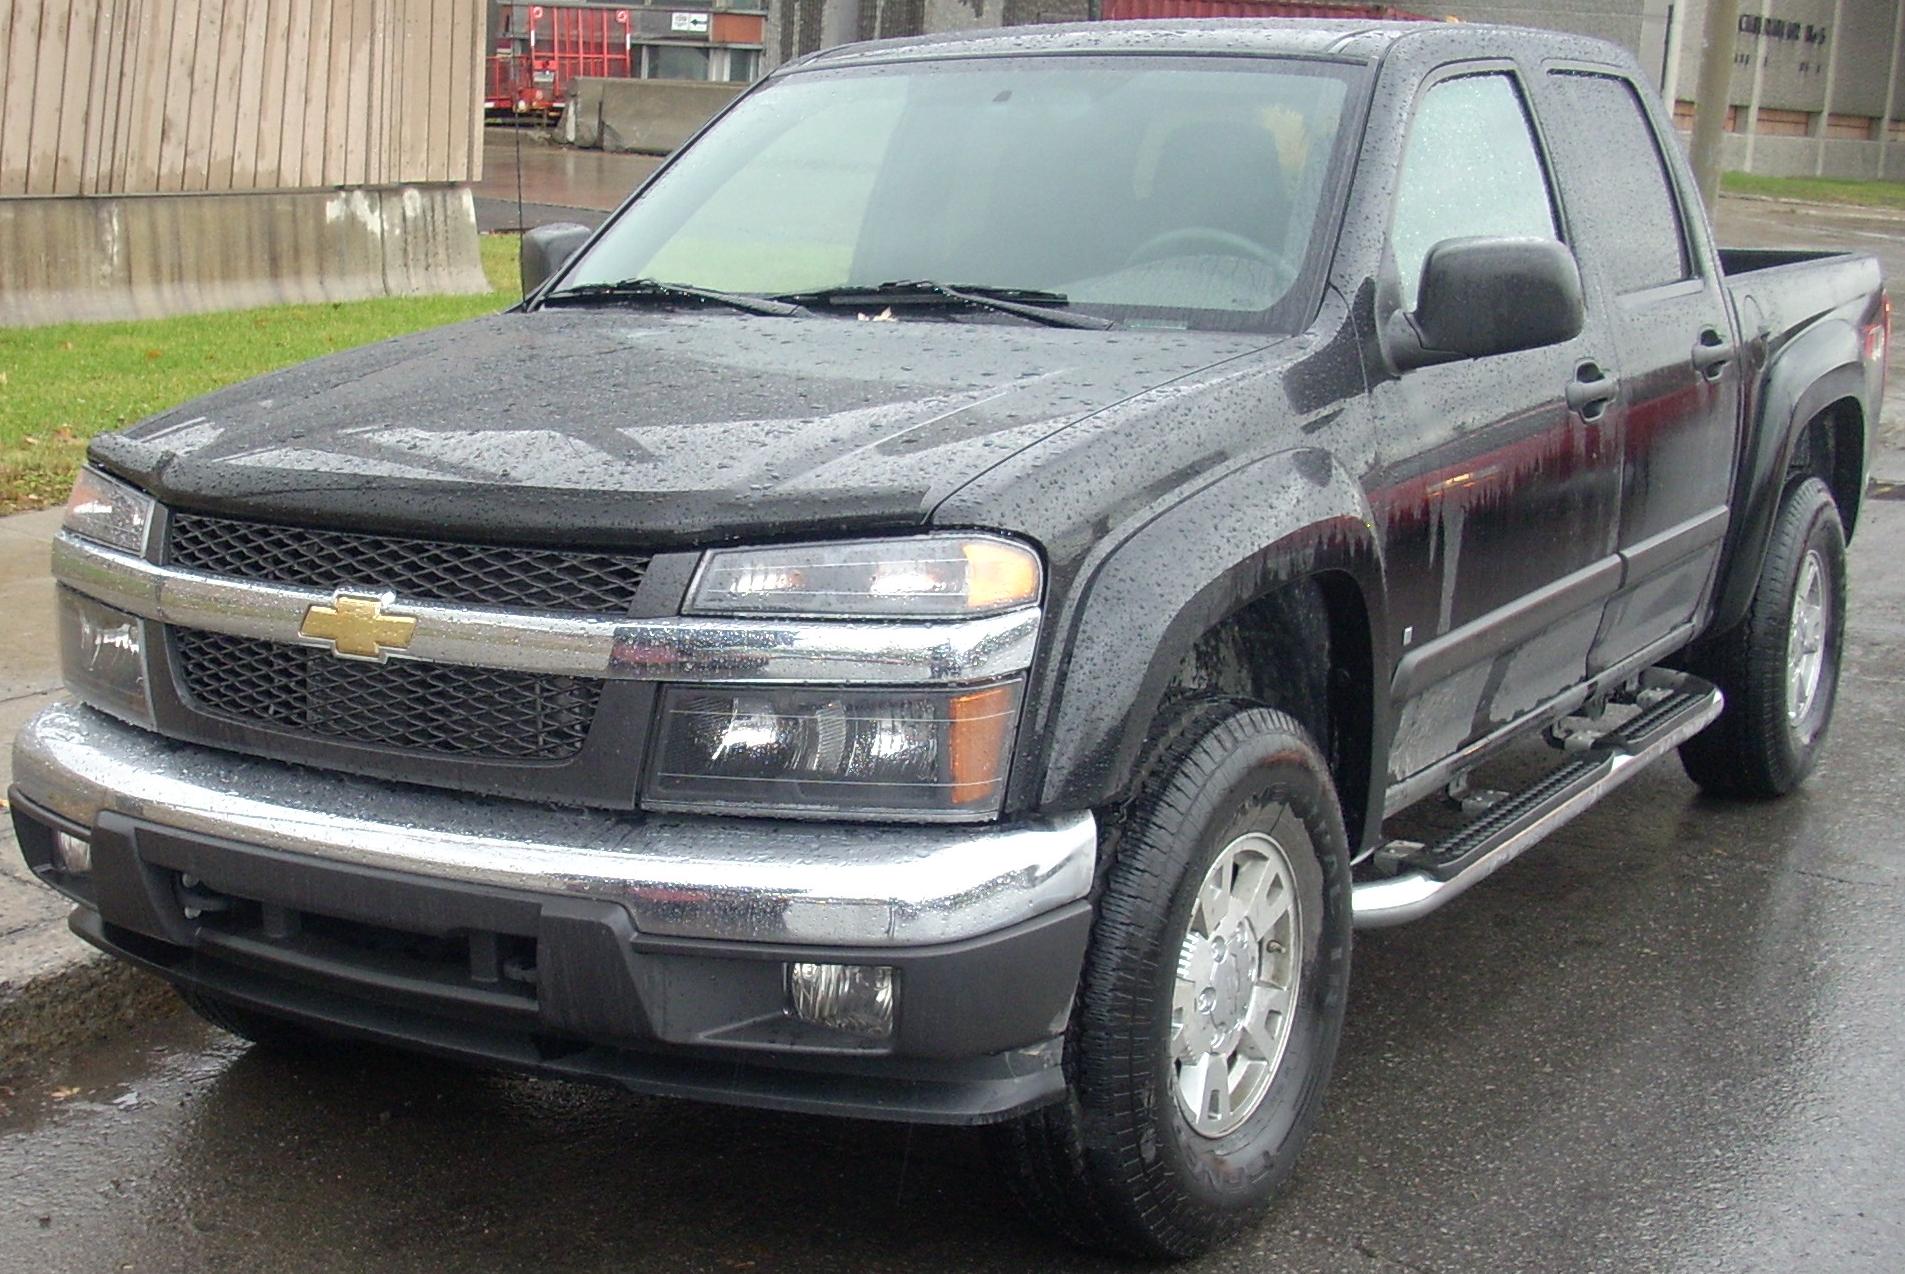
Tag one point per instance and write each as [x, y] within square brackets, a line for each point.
[416, 570]
[433, 708]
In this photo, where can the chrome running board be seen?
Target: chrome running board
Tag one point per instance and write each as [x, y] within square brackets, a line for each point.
[1677, 706]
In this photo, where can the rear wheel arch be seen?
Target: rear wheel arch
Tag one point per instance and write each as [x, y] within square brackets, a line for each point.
[1802, 415]
[1831, 447]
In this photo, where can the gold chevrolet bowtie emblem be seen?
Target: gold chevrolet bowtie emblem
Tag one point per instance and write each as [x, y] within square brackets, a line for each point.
[357, 627]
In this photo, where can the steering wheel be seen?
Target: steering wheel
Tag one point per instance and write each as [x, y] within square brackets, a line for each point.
[1176, 243]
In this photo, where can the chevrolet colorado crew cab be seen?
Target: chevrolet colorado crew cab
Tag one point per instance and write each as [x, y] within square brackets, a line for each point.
[942, 608]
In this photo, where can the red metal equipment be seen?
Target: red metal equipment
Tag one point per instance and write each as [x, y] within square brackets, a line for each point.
[542, 47]
[1117, 10]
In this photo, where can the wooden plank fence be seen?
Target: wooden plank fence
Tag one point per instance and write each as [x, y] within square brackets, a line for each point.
[112, 97]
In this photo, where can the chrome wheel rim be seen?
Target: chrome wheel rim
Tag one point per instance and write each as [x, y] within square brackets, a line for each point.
[1806, 645]
[1238, 971]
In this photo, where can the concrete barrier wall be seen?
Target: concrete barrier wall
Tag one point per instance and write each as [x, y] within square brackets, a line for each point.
[1846, 159]
[650, 116]
[123, 257]
[1795, 157]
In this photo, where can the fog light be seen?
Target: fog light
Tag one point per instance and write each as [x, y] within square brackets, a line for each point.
[72, 854]
[857, 998]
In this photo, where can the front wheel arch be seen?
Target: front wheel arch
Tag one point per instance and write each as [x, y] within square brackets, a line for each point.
[1119, 642]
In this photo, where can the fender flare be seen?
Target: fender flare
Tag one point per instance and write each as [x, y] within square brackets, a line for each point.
[1817, 369]
[1144, 600]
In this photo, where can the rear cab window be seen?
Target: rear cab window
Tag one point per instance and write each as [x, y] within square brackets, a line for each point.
[1627, 213]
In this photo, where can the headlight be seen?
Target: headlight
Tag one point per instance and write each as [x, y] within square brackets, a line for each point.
[103, 657]
[917, 576]
[908, 754]
[109, 511]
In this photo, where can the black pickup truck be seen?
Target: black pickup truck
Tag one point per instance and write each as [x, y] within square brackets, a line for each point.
[946, 607]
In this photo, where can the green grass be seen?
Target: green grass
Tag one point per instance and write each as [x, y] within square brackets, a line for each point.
[1869, 194]
[61, 385]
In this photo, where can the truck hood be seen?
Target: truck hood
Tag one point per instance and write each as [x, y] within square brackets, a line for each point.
[619, 427]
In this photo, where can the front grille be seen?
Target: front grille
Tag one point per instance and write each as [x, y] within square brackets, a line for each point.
[434, 708]
[416, 570]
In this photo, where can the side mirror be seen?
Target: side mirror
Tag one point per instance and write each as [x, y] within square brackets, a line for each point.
[546, 249]
[1489, 296]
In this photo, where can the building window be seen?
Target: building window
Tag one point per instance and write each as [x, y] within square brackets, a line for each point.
[675, 62]
[742, 65]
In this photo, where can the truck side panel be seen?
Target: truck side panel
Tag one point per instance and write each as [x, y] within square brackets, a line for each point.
[1803, 326]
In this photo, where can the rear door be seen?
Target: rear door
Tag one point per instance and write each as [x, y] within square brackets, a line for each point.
[1680, 379]
[1501, 490]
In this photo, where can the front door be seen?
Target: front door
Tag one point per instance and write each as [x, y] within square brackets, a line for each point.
[1500, 487]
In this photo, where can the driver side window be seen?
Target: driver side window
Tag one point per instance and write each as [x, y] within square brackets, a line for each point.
[1470, 167]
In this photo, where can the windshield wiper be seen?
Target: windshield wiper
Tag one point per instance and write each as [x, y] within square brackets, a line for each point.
[655, 289]
[1026, 303]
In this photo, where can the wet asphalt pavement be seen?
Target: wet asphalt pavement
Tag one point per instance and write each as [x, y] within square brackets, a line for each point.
[1668, 1039]
[558, 183]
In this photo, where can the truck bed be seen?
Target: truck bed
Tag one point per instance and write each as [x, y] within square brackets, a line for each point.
[1777, 292]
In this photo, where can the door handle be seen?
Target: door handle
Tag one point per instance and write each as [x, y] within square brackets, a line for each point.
[1591, 390]
[1711, 353]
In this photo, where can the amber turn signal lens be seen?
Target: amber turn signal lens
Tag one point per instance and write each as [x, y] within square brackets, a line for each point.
[999, 574]
[981, 721]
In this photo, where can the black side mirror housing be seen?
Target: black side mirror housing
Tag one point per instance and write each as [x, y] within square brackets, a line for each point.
[1488, 296]
[547, 248]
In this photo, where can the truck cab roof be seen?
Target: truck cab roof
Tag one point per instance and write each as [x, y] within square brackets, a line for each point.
[1332, 38]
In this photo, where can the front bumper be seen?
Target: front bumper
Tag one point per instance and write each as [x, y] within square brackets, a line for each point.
[645, 951]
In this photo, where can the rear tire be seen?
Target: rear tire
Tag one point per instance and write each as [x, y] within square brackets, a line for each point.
[1779, 667]
[1212, 998]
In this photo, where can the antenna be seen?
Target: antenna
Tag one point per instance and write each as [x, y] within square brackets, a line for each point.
[521, 222]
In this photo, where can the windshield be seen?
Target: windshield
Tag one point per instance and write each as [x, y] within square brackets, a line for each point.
[1166, 191]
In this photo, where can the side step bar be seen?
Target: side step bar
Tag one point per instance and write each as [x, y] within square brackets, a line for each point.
[1681, 707]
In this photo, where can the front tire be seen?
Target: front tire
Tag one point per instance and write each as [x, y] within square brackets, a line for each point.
[278, 1034]
[1779, 668]
[1212, 998]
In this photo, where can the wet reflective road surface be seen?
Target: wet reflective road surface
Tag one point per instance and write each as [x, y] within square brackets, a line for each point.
[558, 183]
[1671, 1038]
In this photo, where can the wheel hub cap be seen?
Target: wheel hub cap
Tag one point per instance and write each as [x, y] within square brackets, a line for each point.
[1238, 969]
[1806, 645]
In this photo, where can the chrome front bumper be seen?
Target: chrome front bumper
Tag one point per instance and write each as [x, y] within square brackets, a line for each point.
[739, 880]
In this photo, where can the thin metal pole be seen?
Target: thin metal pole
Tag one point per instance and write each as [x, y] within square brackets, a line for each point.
[1709, 105]
[1832, 72]
[1670, 73]
[1759, 79]
[1891, 87]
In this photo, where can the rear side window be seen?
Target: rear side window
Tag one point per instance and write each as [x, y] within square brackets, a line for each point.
[1469, 168]
[1627, 212]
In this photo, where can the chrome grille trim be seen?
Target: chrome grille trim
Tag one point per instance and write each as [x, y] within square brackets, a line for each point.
[676, 648]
